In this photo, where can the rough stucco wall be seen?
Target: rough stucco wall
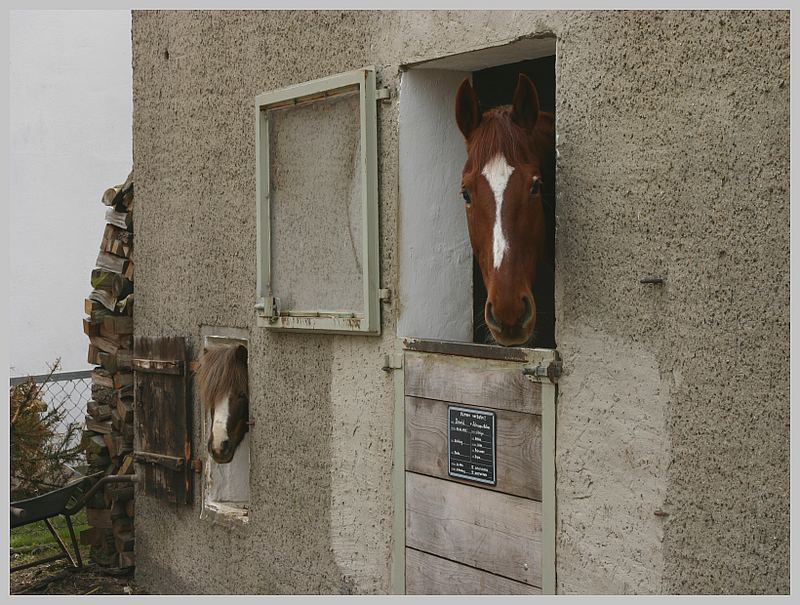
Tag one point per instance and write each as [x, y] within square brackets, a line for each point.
[195, 77]
[674, 161]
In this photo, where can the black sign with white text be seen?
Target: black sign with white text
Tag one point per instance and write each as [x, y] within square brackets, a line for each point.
[471, 444]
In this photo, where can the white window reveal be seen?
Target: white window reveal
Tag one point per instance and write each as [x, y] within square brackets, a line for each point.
[317, 203]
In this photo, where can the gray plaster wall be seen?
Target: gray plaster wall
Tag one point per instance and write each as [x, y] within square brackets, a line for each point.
[673, 413]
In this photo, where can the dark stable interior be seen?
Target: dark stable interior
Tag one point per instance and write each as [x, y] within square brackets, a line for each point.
[495, 86]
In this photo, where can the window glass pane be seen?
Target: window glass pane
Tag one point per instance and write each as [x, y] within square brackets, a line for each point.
[316, 205]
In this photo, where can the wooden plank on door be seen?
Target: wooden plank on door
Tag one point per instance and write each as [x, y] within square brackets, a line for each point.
[480, 382]
[519, 447]
[163, 415]
[428, 574]
[495, 532]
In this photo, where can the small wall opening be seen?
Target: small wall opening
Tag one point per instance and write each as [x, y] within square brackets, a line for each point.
[441, 287]
[226, 487]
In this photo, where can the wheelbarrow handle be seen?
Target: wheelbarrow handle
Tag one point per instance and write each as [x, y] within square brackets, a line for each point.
[93, 490]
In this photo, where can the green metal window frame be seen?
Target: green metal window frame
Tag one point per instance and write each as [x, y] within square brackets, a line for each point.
[268, 311]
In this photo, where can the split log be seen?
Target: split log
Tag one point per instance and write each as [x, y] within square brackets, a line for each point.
[99, 411]
[102, 378]
[91, 357]
[108, 438]
[123, 379]
[93, 536]
[94, 309]
[123, 220]
[98, 426]
[103, 395]
[124, 542]
[116, 324]
[127, 202]
[128, 273]
[125, 409]
[105, 345]
[91, 329]
[105, 298]
[110, 262]
[118, 511]
[102, 280]
[126, 468]
[120, 492]
[125, 306]
[116, 421]
[94, 444]
[127, 559]
[99, 517]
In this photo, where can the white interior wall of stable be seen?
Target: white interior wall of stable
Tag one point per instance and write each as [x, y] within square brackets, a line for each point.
[435, 289]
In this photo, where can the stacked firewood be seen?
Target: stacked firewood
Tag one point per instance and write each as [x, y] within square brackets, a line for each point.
[108, 432]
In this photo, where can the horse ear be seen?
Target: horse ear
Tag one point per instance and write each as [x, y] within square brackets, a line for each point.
[468, 114]
[241, 353]
[525, 106]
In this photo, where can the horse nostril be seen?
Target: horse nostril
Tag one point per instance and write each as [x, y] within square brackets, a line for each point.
[527, 310]
[224, 445]
[490, 318]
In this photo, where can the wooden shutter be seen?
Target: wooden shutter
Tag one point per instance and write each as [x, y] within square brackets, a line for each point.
[163, 448]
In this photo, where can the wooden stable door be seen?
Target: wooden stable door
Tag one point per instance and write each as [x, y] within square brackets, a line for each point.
[479, 469]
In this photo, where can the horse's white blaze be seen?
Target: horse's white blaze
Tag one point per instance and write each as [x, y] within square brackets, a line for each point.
[219, 429]
[497, 172]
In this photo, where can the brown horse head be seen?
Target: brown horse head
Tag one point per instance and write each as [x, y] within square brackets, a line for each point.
[223, 386]
[507, 153]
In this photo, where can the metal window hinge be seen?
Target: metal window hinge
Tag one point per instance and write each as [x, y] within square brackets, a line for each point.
[385, 294]
[268, 307]
[551, 371]
[392, 361]
[383, 94]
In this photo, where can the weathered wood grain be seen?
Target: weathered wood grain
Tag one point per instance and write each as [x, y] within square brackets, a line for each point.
[428, 574]
[480, 382]
[519, 447]
[162, 413]
[495, 532]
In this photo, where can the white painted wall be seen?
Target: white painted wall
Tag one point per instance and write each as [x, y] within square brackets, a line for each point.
[435, 253]
[70, 139]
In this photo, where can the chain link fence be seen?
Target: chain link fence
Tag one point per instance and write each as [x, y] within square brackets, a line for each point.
[67, 391]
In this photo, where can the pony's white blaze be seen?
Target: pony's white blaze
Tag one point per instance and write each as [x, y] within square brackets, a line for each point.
[219, 430]
[497, 172]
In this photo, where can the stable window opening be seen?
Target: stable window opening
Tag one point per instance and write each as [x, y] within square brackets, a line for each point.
[225, 426]
[441, 284]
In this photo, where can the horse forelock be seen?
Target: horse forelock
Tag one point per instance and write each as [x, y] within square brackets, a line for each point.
[497, 134]
[221, 374]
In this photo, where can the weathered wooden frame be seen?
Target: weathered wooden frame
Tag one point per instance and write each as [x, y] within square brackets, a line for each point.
[269, 314]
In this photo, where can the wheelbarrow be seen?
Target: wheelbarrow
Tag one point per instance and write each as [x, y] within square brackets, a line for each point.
[57, 502]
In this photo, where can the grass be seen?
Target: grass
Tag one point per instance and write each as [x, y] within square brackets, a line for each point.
[37, 534]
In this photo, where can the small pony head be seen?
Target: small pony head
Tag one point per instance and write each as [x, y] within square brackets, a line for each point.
[223, 387]
[502, 188]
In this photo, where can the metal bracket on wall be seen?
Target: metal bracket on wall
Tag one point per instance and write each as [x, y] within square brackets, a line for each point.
[392, 361]
[383, 94]
[551, 371]
[385, 295]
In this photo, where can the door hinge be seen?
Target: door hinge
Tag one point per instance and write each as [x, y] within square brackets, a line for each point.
[197, 465]
[551, 371]
[392, 361]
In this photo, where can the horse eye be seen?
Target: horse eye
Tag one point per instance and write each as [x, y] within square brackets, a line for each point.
[465, 194]
[536, 185]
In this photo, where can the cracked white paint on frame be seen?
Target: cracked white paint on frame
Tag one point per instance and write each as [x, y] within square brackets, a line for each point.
[497, 172]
